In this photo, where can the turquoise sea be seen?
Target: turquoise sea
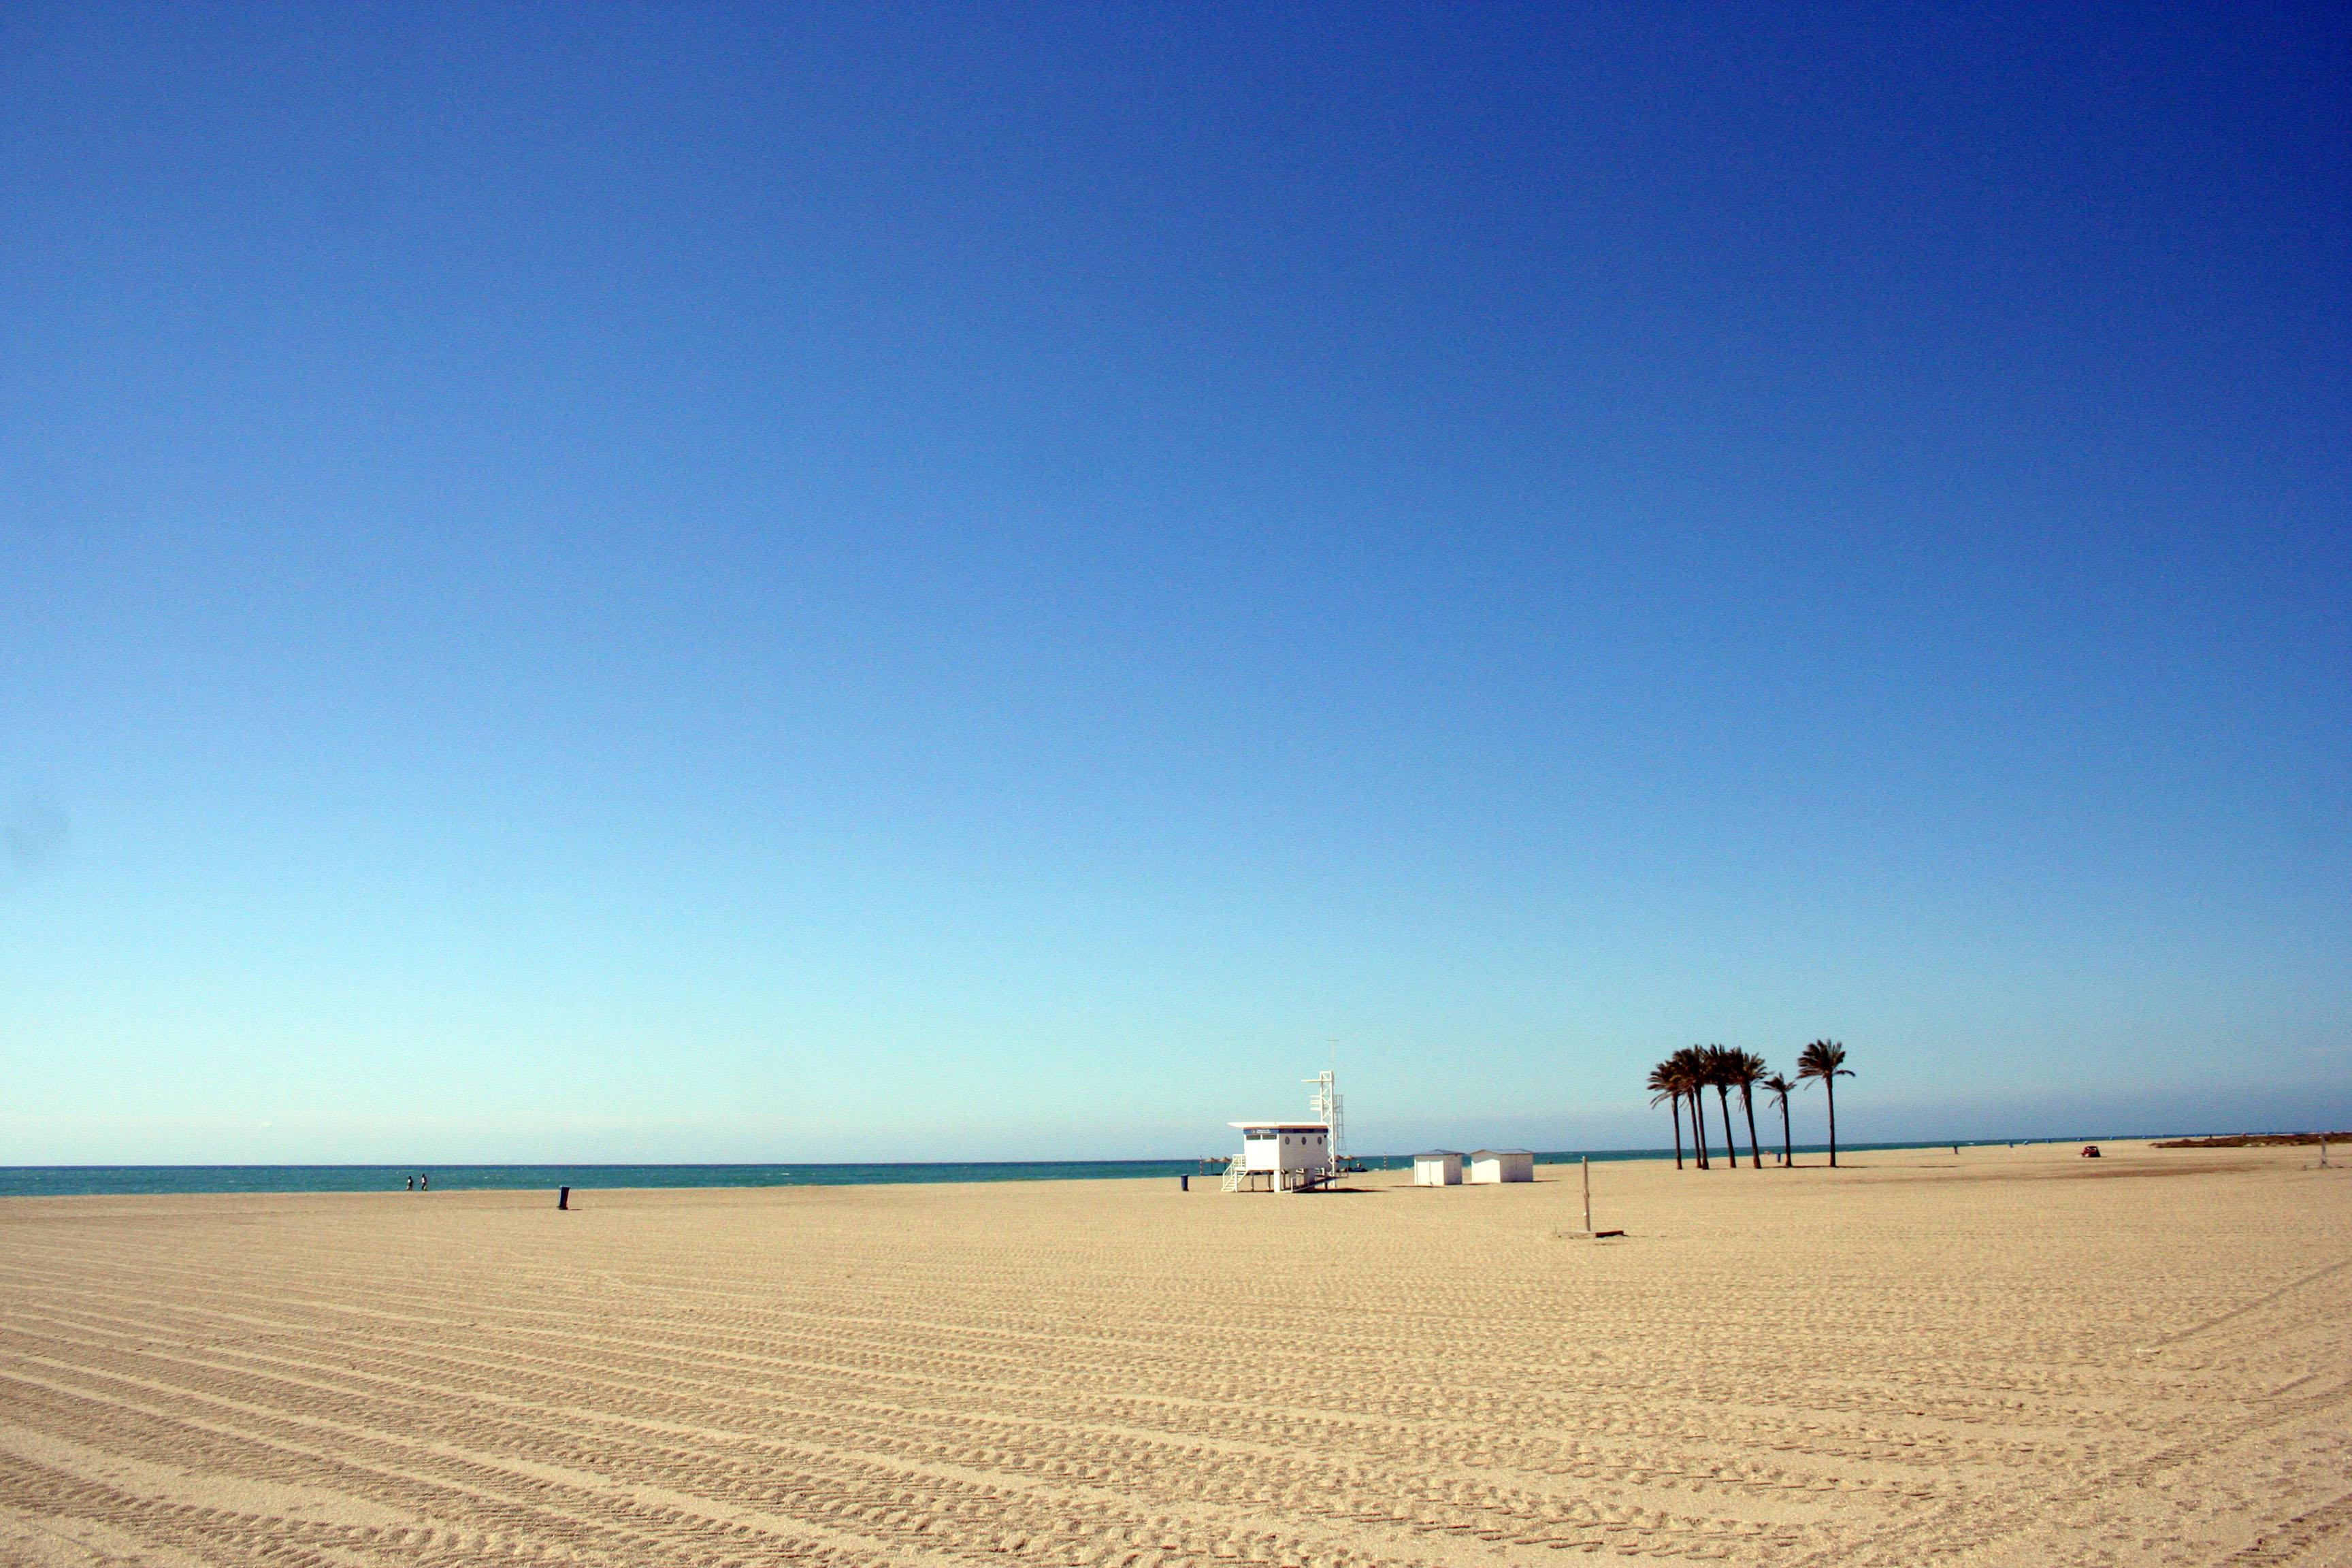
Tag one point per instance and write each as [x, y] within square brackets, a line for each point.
[70, 1181]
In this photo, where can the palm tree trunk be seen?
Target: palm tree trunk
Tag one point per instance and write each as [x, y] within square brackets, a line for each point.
[1785, 1149]
[1676, 1106]
[1730, 1145]
[1747, 1106]
[1698, 1126]
[1830, 1083]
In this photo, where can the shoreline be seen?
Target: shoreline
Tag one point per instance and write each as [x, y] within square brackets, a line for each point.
[160, 1179]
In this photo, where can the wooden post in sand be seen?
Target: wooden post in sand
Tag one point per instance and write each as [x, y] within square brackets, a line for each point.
[563, 1197]
[1588, 1233]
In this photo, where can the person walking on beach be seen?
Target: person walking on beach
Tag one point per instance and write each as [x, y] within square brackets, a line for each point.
[411, 1183]
[425, 1181]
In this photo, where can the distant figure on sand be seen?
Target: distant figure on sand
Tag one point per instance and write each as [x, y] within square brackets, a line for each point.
[425, 1181]
[411, 1183]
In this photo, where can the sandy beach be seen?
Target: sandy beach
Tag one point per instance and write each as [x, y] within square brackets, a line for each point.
[2009, 1356]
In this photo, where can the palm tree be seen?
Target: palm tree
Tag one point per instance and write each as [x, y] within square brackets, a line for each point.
[1825, 1060]
[1777, 1088]
[1704, 1068]
[1721, 1073]
[1667, 1085]
[1690, 1065]
[1747, 1070]
[1690, 1074]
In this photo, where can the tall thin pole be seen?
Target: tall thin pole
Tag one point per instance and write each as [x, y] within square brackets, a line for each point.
[1332, 1132]
[1588, 1194]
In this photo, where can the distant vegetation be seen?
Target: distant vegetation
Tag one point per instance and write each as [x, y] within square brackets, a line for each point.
[2256, 1140]
[1686, 1077]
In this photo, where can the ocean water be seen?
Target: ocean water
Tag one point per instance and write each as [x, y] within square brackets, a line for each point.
[64, 1181]
[76, 1181]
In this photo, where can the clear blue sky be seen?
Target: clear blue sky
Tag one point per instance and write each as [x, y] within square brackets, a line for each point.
[858, 582]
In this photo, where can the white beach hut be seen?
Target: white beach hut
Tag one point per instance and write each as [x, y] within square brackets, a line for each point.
[1280, 1156]
[1502, 1165]
[1438, 1168]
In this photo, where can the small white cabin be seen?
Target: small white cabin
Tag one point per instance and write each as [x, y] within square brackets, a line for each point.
[1438, 1168]
[1488, 1165]
[1285, 1155]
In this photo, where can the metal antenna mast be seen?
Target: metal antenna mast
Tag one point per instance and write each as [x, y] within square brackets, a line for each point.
[1328, 1104]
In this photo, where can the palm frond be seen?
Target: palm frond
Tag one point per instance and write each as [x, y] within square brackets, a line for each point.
[1823, 1059]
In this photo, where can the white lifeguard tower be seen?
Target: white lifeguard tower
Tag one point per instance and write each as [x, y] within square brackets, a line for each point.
[1280, 1157]
[1437, 1168]
[1292, 1157]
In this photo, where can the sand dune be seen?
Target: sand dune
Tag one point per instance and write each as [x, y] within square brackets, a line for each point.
[2009, 1357]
